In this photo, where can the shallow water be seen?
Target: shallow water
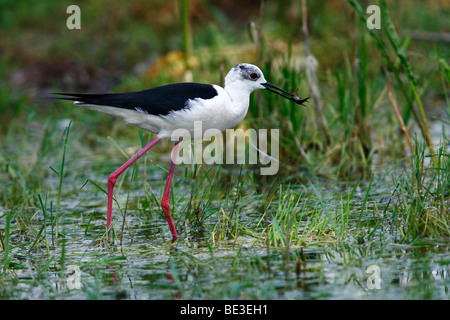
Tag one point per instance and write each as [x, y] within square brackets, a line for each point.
[143, 265]
[140, 271]
[344, 263]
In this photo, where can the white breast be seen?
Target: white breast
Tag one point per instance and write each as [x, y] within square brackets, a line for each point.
[217, 113]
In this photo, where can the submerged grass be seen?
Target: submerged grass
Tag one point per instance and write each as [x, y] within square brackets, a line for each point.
[422, 198]
[308, 232]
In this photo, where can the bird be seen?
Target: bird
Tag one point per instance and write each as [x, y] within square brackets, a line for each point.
[164, 109]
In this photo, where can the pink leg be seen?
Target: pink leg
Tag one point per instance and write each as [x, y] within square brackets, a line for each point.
[113, 177]
[165, 199]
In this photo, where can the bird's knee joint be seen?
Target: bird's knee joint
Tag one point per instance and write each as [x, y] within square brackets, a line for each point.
[112, 179]
[165, 206]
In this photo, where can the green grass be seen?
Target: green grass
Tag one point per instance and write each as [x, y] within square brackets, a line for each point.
[422, 196]
[351, 191]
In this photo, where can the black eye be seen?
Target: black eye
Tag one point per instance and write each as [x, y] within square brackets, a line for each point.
[254, 76]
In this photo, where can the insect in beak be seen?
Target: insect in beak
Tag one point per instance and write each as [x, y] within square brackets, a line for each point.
[285, 94]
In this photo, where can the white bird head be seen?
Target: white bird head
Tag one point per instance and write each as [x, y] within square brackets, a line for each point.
[249, 77]
[246, 74]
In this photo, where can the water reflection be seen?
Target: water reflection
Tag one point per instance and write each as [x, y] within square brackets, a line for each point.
[145, 265]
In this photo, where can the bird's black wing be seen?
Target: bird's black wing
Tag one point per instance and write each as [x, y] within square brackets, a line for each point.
[156, 101]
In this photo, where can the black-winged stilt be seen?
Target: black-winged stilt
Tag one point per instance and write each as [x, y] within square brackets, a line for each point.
[162, 110]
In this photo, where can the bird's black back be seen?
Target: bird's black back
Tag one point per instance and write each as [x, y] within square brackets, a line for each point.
[156, 101]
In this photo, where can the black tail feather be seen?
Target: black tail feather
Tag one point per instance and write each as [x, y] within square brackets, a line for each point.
[156, 101]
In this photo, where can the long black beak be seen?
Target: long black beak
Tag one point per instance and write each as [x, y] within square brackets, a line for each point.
[285, 94]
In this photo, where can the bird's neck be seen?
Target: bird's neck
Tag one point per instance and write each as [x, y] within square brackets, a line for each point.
[240, 96]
